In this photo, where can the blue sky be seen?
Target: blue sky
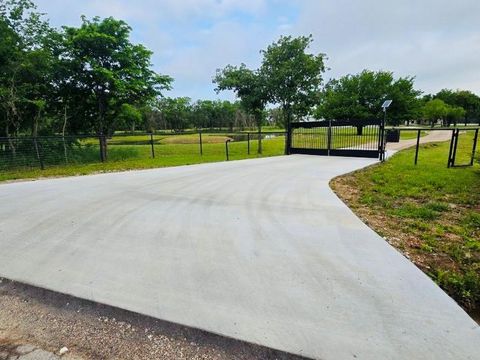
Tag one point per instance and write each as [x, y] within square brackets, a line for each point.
[438, 41]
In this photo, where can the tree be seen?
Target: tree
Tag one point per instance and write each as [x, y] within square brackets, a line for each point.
[435, 110]
[129, 117]
[360, 96]
[462, 98]
[176, 112]
[454, 115]
[249, 86]
[25, 68]
[293, 77]
[109, 71]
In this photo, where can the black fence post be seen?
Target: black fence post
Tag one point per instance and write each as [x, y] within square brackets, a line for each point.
[101, 140]
[474, 148]
[329, 137]
[201, 143]
[457, 131]
[450, 149]
[153, 148]
[418, 145]
[288, 142]
[226, 148]
[248, 143]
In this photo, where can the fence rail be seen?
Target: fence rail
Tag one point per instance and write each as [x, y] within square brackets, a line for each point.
[26, 152]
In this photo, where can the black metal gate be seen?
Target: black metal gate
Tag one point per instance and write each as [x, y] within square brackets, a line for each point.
[337, 138]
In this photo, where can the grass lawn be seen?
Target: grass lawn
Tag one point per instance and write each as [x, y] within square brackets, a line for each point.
[428, 212]
[85, 159]
[410, 134]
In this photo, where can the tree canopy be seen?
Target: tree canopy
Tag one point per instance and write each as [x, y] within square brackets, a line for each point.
[250, 88]
[293, 76]
[360, 97]
[83, 79]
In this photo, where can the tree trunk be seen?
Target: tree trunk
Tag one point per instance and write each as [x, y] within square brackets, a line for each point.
[63, 133]
[359, 130]
[287, 116]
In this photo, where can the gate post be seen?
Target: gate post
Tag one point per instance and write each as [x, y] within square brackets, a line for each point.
[474, 148]
[329, 137]
[381, 140]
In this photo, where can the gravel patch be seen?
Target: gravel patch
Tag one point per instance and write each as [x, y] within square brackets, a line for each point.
[41, 323]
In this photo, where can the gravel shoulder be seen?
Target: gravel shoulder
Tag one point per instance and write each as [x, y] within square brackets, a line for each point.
[37, 322]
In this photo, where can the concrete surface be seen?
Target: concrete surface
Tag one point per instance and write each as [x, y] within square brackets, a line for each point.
[259, 250]
[431, 136]
[26, 352]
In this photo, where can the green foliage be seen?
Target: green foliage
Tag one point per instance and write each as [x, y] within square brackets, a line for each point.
[360, 97]
[462, 99]
[109, 70]
[72, 80]
[248, 85]
[26, 66]
[435, 110]
[293, 77]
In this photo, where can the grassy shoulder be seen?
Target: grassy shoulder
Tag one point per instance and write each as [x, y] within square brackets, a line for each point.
[428, 212]
[411, 134]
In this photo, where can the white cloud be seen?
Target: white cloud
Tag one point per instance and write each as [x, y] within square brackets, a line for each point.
[438, 41]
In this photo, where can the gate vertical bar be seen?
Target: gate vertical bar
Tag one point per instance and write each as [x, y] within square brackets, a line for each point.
[449, 164]
[329, 137]
[455, 147]
[418, 145]
[289, 138]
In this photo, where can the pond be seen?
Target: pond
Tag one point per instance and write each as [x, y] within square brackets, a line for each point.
[253, 136]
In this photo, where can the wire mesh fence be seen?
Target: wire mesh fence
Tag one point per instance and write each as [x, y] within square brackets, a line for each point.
[41, 152]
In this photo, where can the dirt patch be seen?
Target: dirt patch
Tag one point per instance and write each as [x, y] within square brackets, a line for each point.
[93, 331]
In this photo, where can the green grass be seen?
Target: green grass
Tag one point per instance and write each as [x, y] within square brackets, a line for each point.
[428, 211]
[411, 134]
[85, 158]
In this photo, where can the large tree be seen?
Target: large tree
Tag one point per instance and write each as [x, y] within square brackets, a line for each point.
[176, 112]
[26, 66]
[250, 88]
[360, 96]
[465, 99]
[109, 71]
[435, 110]
[293, 76]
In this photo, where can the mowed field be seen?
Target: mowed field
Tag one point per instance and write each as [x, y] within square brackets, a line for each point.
[80, 156]
[135, 152]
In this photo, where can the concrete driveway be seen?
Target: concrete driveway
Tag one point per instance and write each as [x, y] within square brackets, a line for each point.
[259, 250]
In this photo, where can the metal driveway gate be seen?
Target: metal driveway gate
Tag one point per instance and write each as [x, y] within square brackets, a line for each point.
[337, 138]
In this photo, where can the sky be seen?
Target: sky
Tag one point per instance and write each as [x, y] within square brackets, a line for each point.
[437, 41]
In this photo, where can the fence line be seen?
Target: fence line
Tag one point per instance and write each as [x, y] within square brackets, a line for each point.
[26, 152]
